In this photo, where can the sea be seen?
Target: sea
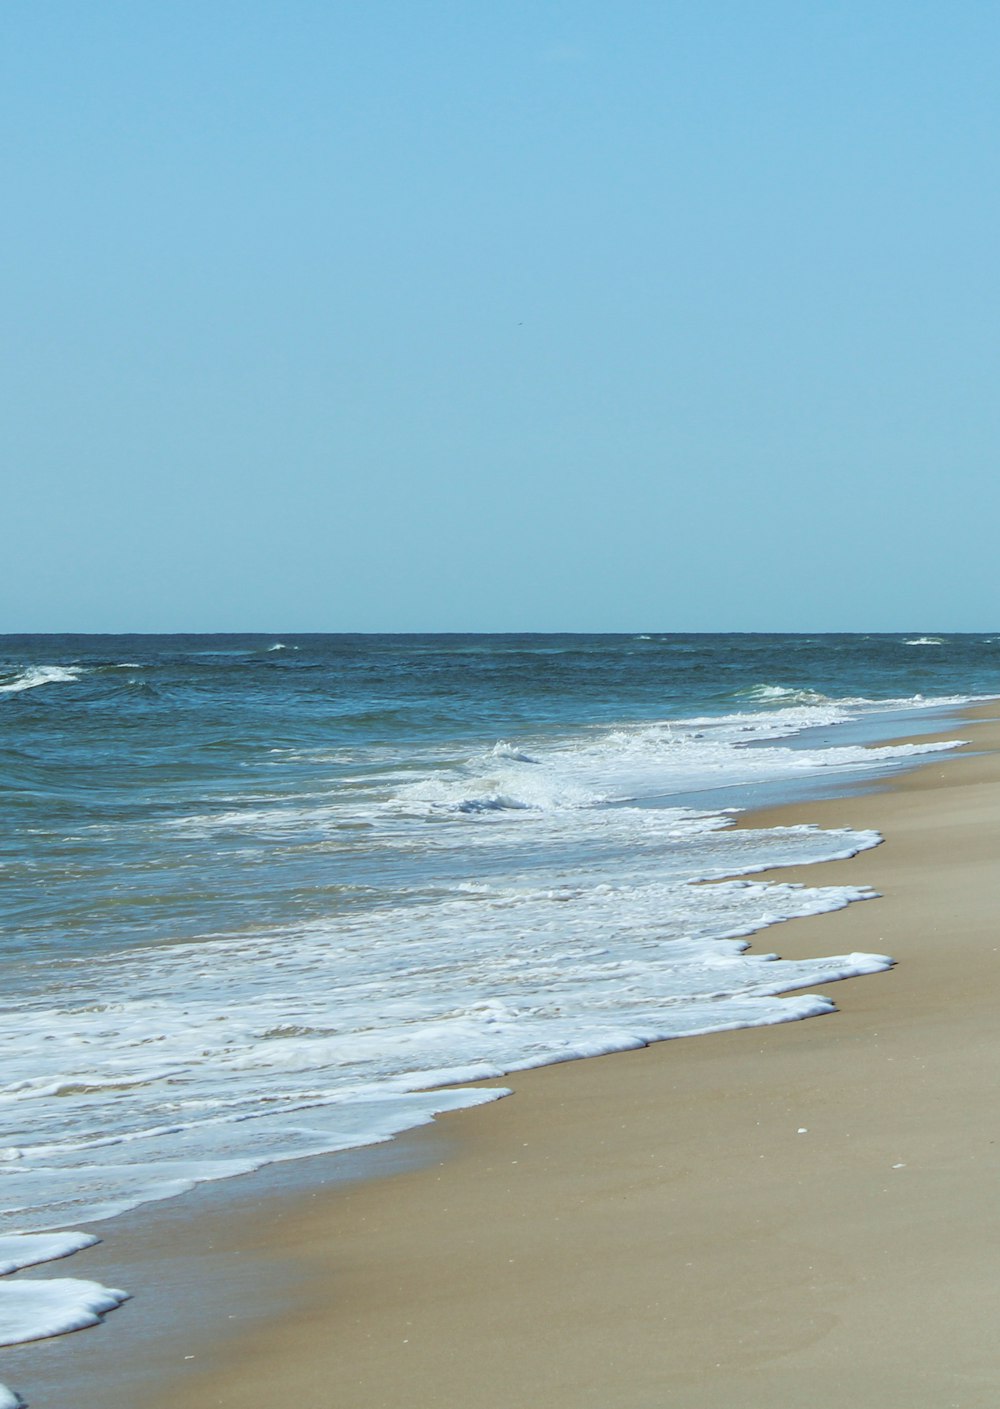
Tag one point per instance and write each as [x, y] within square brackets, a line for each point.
[268, 896]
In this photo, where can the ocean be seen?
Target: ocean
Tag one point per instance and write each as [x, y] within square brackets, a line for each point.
[264, 896]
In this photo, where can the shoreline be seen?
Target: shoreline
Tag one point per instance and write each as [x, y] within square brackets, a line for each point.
[727, 1219]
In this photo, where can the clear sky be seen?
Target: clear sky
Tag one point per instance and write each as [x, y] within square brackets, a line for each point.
[500, 315]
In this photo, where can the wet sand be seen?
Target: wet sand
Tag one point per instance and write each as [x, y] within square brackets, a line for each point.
[800, 1213]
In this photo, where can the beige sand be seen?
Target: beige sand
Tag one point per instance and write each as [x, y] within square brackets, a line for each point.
[801, 1214]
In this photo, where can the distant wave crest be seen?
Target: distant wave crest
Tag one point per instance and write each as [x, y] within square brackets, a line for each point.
[782, 695]
[37, 675]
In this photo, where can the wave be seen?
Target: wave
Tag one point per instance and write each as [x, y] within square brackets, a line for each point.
[36, 675]
[497, 802]
[782, 695]
[502, 749]
[925, 641]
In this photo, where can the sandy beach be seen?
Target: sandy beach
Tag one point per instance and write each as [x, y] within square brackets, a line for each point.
[768, 1217]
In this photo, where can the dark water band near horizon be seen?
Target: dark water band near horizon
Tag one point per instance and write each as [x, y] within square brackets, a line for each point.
[261, 892]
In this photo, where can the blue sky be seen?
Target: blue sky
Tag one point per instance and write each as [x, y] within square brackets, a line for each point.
[507, 316]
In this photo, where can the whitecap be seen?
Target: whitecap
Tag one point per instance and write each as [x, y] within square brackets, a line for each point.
[502, 749]
[36, 675]
[495, 802]
[783, 695]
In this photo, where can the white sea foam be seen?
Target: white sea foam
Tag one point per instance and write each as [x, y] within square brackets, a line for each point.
[231, 1052]
[10, 1400]
[925, 641]
[37, 675]
[32, 1310]
[682, 757]
[28, 1249]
